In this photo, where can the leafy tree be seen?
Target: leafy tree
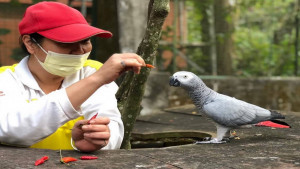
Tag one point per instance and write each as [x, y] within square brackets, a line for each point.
[17, 54]
[264, 36]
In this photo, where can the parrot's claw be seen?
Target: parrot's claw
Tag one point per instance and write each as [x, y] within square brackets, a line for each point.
[231, 137]
[207, 138]
[227, 139]
[212, 141]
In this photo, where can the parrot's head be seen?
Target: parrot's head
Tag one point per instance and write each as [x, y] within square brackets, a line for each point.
[186, 80]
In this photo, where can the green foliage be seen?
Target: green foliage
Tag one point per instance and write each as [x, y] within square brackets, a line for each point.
[257, 56]
[17, 54]
[167, 33]
[196, 55]
[3, 31]
[17, 3]
[194, 20]
[263, 39]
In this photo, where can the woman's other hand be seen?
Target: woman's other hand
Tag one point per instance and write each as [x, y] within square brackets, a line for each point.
[93, 136]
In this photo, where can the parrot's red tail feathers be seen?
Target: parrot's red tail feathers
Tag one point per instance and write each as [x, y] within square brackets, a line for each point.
[273, 123]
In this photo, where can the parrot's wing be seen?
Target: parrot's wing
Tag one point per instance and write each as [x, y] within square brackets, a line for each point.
[233, 112]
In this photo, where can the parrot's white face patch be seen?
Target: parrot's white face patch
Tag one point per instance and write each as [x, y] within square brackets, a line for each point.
[184, 78]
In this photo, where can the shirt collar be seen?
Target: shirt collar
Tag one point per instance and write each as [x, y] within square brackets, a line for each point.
[23, 73]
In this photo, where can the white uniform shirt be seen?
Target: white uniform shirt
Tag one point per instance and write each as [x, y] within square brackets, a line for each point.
[27, 114]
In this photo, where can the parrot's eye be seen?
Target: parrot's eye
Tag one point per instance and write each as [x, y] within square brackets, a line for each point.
[185, 76]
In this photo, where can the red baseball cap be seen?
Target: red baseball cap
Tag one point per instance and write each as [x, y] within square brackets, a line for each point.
[58, 22]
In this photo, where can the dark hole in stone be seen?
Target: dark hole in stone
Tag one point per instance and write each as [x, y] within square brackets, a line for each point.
[166, 139]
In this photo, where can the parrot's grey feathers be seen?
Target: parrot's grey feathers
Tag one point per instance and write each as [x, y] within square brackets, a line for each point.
[231, 112]
[276, 115]
[226, 111]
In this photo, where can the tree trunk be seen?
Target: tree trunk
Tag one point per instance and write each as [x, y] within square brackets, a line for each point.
[132, 88]
[105, 16]
[224, 29]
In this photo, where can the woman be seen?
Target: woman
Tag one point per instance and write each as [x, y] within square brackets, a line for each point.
[47, 99]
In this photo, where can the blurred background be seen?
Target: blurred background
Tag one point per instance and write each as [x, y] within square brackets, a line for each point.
[251, 44]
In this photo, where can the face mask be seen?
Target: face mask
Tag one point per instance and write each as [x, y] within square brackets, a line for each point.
[62, 64]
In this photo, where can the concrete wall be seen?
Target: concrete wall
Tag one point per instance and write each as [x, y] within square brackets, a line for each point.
[278, 93]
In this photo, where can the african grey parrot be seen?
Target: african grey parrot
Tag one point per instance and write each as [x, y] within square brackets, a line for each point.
[227, 112]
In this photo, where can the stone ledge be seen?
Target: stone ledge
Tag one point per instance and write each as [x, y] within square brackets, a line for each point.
[258, 147]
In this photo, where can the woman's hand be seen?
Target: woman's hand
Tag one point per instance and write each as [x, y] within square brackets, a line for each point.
[119, 63]
[93, 136]
[110, 71]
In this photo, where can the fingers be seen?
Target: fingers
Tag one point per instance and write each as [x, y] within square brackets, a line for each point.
[100, 142]
[131, 64]
[101, 120]
[97, 132]
[133, 56]
[97, 135]
[95, 128]
[118, 64]
[130, 61]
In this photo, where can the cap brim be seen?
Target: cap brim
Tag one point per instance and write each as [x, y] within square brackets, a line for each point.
[74, 33]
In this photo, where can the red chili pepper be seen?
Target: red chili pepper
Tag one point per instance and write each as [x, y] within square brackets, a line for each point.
[150, 66]
[88, 157]
[41, 160]
[92, 118]
[45, 158]
[67, 159]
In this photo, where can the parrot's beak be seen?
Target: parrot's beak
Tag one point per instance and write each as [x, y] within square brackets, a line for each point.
[174, 82]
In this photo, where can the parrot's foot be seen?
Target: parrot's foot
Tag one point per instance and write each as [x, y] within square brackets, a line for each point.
[212, 141]
[227, 139]
[233, 136]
